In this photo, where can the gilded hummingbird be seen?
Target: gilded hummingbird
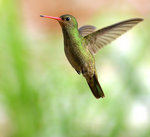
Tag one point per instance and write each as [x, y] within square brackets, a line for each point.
[81, 44]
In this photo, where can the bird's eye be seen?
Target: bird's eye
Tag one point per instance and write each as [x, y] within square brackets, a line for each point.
[68, 19]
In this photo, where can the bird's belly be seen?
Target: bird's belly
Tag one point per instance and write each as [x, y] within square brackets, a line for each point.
[81, 60]
[75, 58]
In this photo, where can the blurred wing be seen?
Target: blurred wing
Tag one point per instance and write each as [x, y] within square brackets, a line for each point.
[87, 29]
[102, 37]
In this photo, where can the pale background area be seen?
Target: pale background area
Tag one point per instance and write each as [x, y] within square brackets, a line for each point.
[40, 93]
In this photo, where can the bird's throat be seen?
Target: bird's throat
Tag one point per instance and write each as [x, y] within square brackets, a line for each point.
[71, 35]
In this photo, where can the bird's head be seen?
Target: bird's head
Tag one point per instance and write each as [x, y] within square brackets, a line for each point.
[66, 21]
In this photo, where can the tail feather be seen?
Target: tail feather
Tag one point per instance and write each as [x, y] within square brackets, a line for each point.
[95, 87]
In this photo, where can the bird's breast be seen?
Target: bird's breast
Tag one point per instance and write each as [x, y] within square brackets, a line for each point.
[74, 55]
[79, 57]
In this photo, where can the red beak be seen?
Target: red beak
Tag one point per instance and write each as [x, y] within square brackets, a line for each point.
[51, 17]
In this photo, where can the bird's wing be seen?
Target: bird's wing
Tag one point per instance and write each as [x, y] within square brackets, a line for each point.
[87, 29]
[102, 37]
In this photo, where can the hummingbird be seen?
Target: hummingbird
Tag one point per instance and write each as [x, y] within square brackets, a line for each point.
[81, 44]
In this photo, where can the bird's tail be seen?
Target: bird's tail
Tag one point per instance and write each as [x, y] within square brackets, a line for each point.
[95, 87]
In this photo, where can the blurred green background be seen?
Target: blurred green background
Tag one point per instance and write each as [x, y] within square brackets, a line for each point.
[40, 93]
